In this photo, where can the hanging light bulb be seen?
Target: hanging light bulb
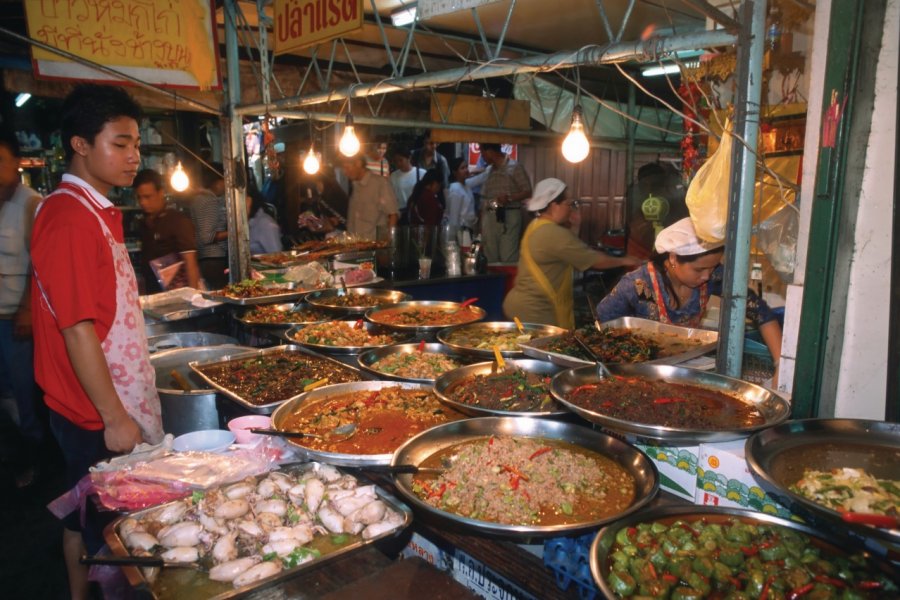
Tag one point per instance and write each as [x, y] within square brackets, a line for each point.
[179, 180]
[311, 162]
[576, 147]
[349, 144]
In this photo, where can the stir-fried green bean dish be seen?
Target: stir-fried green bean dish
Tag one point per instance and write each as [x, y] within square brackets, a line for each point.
[733, 560]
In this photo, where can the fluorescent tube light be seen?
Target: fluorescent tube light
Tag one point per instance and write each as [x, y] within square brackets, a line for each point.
[404, 16]
[22, 98]
[668, 69]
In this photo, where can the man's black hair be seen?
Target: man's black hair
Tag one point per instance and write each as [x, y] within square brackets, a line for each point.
[211, 176]
[490, 146]
[89, 107]
[399, 150]
[8, 138]
[148, 176]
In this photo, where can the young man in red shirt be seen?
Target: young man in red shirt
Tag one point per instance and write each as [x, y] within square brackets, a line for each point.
[91, 355]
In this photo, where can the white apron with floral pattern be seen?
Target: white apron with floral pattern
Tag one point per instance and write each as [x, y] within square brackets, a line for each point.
[125, 345]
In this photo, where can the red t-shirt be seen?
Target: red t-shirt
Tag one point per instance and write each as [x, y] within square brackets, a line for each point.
[74, 264]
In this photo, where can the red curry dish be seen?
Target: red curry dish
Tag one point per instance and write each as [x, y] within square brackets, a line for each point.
[675, 405]
[425, 317]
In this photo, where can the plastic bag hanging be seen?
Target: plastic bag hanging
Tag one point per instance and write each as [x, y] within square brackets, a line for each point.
[707, 194]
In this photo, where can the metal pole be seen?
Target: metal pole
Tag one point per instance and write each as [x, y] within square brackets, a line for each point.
[591, 56]
[107, 70]
[232, 145]
[630, 135]
[729, 357]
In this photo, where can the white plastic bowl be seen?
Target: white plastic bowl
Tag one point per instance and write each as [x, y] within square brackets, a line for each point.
[205, 440]
[241, 426]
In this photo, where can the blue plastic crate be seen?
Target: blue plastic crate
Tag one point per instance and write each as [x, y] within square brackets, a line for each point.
[569, 559]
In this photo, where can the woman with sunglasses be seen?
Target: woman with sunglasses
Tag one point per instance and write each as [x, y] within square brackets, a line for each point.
[548, 255]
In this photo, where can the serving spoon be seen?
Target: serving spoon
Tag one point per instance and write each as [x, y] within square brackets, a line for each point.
[347, 429]
[602, 369]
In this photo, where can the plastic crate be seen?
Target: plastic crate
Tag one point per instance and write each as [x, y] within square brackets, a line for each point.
[569, 559]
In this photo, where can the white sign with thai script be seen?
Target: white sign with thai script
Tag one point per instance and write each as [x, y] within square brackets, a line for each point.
[434, 8]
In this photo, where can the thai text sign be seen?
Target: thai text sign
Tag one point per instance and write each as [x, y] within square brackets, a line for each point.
[301, 23]
[166, 42]
[436, 8]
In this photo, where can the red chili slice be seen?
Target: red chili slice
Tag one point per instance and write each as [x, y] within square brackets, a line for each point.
[764, 595]
[869, 585]
[540, 451]
[801, 591]
[668, 400]
[668, 577]
[830, 581]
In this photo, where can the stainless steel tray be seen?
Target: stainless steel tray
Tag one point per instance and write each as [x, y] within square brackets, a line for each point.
[190, 583]
[773, 407]
[606, 537]
[278, 260]
[266, 409]
[294, 294]
[826, 444]
[174, 305]
[496, 327]
[416, 450]
[477, 315]
[288, 307]
[322, 394]
[320, 299]
[369, 357]
[448, 380]
[370, 327]
[707, 341]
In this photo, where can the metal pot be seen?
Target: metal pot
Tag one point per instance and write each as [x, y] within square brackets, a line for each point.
[186, 339]
[184, 411]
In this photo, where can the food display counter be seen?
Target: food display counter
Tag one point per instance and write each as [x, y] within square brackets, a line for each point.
[699, 458]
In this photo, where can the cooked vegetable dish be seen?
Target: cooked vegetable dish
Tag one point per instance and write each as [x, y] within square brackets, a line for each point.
[618, 345]
[250, 288]
[851, 490]
[514, 390]
[675, 405]
[276, 376]
[353, 300]
[525, 481]
[727, 558]
[424, 317]
[339, 333]
[378, 421]
[484, 338]
[273, 314]
[416, 365]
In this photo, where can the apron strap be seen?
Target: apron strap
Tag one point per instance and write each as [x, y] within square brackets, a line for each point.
[560, 298]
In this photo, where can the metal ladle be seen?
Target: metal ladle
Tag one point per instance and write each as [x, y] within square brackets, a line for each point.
[347, 429]
[602, 369]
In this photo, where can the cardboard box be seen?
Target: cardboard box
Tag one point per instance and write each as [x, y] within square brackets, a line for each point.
[724, 479]
[677, 467]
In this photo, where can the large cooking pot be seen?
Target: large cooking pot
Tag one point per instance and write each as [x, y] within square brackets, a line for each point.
[183, 410]
[186, 339]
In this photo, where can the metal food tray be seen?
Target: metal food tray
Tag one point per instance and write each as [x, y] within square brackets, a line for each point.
[265, 409]
[429, 442]
[372, 315]
[870, 437]
[446, 381]
[324, 393]
[369, 357]
[773, 407]
[188, 578]
[319, 299]
[286, 307]
[294, 258]
[536, 348]
[295, 294]
[399, 338]
[606, 537]
[497, 327]
[174, 305]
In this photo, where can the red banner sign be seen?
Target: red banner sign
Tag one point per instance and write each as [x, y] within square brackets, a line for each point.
[302, 23]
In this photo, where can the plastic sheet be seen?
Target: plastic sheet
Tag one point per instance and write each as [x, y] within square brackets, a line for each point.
[776, 237]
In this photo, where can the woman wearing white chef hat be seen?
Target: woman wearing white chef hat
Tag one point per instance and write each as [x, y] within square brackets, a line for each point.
[548, 254]
[675, 286]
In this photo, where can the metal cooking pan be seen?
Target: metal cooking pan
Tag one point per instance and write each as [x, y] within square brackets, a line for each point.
[778, 457]
[324, 299]
[773, 407]
[371, 328]
[447, 381]
[370, 357]
[419, 448]
[450, 336]
[375, 315]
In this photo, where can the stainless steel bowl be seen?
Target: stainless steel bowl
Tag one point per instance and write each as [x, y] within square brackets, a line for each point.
[427, 443]
[321, 299]
[281, 414]
[533, 330]
[373, 314]
[287, 309]
[369, 327]
[606, 537]
[825, 444]
[447, 381]
[773, 407]
[370, 357]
